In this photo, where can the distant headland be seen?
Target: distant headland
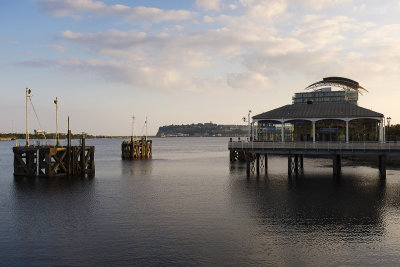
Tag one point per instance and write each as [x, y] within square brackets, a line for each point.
[202, 130]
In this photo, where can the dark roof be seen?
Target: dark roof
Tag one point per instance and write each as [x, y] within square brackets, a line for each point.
[318, 110]
[344, 83]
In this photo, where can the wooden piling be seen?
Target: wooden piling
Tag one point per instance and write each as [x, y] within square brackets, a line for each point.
[296, 164]
[258, 164]
[248, 164]
[50, 161]
[382, 166]
[290, 165]
[337, 165]
[137, 149]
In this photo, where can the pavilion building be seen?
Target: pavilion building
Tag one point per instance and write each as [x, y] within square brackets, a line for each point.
[322, 115]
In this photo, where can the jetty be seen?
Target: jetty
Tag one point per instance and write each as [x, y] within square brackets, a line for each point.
[255, 154]
[137, 149]
[49, 161]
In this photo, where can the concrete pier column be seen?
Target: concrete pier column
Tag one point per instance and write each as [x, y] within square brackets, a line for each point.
[382, 166]
[248, 164]
[347, 131]
[337, 165]
[313, 131]
[258, 164]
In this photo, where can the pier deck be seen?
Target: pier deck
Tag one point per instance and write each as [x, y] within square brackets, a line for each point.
[251, 151]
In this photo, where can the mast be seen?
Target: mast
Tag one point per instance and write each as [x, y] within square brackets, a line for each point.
[249, 125]
[146, 128]
[133, 123]
[27, 93]
[57, 136]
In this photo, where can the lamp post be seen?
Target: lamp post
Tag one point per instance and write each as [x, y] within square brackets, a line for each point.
[388, 126]
[248, 125]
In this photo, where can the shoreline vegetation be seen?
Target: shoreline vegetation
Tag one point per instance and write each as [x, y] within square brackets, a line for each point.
[188, 130]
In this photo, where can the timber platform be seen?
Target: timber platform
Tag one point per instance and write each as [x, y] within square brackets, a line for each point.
[137, 149]
[51, 161]
[254, 151]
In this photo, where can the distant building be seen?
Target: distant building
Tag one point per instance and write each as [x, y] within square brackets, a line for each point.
[40, 132]
[322, 115]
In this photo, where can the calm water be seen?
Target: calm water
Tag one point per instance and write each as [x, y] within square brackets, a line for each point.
[189, 206]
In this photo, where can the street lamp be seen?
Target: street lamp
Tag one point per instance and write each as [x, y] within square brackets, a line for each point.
[248, 123]
[388, 126]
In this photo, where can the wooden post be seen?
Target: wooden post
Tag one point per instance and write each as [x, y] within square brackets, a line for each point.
[266, 163]
[301, 162]
[337, 165]
[296, 164]
[83, 158]
[382, 166]
[289, 165]
[258, 164]
[248, 164]
[69, 171]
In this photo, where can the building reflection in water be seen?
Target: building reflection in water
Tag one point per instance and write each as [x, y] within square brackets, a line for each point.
[353, 205]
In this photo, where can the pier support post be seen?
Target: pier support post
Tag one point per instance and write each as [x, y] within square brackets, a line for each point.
[266, 163]
[83, 157]
[258, 164]
[382, 166]
[289, 165]
[296, 164]
[248, 164]
[301, 162]
[69, 153]
[337, 165]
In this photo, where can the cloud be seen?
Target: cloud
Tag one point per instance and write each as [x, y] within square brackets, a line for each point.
[244, 50]
[319, 4]
[74, 7]
[263, 9]
[248, 81]
[209, 4]
[58, 48]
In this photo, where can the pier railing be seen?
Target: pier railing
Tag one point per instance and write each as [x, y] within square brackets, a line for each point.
[326, 146]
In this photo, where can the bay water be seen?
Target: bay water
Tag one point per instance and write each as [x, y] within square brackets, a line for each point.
[190, 206]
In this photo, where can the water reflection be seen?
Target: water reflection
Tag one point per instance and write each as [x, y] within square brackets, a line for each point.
[39, 185]
[351, 205]
[136, 167]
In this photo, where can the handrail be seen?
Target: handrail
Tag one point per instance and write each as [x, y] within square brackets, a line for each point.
[360, 146]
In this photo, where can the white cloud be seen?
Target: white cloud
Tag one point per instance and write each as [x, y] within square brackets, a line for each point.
[245, 49]
[209, 4]
[319, 4]
[248, 81]
[266, 9]
[74, 7]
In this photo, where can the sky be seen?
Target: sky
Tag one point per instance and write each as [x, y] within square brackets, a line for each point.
[187, 61]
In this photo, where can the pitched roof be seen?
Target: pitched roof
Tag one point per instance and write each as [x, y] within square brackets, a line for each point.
[318, 110]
